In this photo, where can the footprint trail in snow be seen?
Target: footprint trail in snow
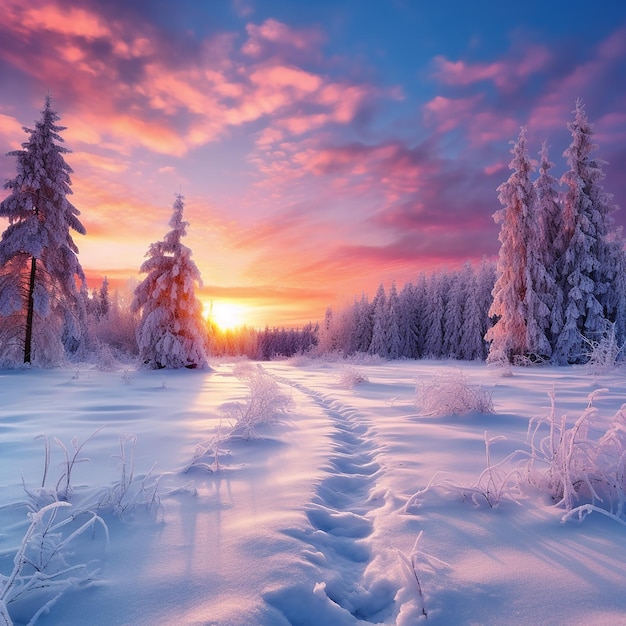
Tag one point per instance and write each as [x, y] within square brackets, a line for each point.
[338, 539]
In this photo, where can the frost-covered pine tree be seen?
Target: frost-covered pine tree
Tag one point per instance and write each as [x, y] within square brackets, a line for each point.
[408, 320]
[592, 252]
[171, 331]
[550, 232]
[515, 303]
[41, 311]
[471, 343]
[378, 344]
[453, 316]
[393, 340]
[363, 325]
[434, 310]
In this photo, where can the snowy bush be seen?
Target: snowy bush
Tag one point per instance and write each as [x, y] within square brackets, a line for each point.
[581, 473]
[350, 377]
[499, 359]
[264, 402]
[603, 353]
[451, 393]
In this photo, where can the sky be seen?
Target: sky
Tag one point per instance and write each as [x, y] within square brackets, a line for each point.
[321, 147]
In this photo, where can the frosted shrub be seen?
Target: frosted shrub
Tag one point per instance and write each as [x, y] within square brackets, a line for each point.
[604, 353]
[580, 473]
[499, 360]
[451, 393]
[46, 565]
[264, 402]
[350, 377]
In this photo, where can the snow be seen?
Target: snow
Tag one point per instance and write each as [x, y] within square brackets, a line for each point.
[308, 523]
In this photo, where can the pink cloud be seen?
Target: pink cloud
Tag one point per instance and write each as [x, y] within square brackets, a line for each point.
[505, 73]
[489, 126]
[448, 113]
[274, 32]
[269, 136]
[11, 131]
[67, 20]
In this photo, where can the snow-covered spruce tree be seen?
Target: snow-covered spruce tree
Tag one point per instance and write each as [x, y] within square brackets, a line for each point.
[592, 251]
[550, 233]
[378, 345]
[362, 325]
[454, 316]
[41, 311]
[519, 311]
[408, 321]
[171, 331]
[434, 309]
[471, 343]
[393, 339]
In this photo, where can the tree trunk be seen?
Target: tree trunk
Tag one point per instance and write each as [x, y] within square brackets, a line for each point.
[30, 310]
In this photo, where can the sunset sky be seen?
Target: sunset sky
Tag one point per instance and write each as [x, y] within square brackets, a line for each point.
[321, 146]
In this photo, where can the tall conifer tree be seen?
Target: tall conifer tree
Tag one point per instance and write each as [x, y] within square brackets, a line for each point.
[172, 332]
[592, 252]
[40, 303]
[514, 300]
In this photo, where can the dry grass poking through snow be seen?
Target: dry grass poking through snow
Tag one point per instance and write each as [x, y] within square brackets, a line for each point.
[581, 466]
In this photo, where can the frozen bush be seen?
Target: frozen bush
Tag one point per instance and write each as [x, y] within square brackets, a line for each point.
[579, 472]
[496, 483]
[499, 360]
[264, 402]
[451, 393]
[603, 353]
[350, 377]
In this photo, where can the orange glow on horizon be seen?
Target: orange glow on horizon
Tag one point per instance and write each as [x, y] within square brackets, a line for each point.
[226, 315]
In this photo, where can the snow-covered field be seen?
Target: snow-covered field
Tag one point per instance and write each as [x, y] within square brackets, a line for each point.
[314, 518]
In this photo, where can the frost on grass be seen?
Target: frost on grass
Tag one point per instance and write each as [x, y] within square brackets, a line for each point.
[121, 497]
[579, 464]
[263, 404]
[47, 563]
[580, 471]
[451, 393]
[419, 568]
[496, 483]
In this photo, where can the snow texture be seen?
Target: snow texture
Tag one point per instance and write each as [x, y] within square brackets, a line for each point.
[349, 505]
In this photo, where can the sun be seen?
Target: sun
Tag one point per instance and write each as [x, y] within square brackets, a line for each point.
[226, 315]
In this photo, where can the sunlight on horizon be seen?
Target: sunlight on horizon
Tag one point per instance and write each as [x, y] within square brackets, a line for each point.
[226, 315]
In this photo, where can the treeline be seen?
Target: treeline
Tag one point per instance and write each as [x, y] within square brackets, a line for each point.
[444, 315]
[441, 315]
